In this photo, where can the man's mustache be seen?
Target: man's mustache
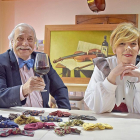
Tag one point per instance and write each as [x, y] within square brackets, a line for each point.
[24, 48]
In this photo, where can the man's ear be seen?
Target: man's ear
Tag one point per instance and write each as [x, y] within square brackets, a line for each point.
[12, 43]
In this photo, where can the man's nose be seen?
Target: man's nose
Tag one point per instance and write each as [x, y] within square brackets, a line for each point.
[25, 42]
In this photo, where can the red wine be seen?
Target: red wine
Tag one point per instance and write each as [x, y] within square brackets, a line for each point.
[42, 70]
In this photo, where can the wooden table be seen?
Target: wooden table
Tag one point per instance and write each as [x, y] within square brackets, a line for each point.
[126, 126]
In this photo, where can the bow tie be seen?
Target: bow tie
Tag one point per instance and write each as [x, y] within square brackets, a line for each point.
[29, 63]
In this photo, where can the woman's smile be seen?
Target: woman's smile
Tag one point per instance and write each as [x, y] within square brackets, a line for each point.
[128, 55]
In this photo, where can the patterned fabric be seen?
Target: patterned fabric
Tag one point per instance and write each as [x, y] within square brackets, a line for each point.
[49, 125]
[101, 126]
[102, 65]
[33, 112]
[8, 124]
[66, 130]
[7, 131]
[83, 117]
[121, 108]
[13, 116]
[71, 123]
[3, 118]
[130, 90]
[50, 119]
[60, 113]
[29, 63]
[22, 119]
[39, 125]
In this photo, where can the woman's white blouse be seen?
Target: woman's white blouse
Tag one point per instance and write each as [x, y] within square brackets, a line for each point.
[101, 95]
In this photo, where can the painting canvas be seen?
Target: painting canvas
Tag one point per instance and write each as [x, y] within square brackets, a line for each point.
[72, 47]
[40, 46]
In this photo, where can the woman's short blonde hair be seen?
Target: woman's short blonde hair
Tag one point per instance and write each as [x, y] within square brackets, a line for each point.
[124, 32]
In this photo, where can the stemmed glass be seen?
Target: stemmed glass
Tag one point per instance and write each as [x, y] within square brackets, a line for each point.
[41, 66]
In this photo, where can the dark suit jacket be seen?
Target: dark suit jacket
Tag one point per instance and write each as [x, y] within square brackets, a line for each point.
[10, 82]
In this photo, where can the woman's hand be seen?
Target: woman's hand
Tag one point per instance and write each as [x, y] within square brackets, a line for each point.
[131, 72]
[118, 70]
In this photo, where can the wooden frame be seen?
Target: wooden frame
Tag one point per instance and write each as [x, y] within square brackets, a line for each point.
[83, 27]
[107, 19]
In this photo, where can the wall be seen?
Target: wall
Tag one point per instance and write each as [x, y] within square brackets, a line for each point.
[39, 13]
[7, 22]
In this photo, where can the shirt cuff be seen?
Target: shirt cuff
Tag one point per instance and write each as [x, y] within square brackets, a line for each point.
[109, 86]
[137, 86]
[21, 94]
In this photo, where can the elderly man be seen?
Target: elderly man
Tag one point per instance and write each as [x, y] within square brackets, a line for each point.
[18, 84]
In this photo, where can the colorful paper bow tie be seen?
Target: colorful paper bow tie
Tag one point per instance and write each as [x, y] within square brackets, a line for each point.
[50, 119]
[13, 116]
[83, 117]
[7, 131]
[3, 118]
[60, 113]
[71, 123]
[101, 126]
[22, 119]
[66, 130]
[29, 63]
[39, 125]
[33, 112]
[8, 124]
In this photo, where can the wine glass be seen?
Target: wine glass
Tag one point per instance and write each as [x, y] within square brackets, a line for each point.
[41, 66]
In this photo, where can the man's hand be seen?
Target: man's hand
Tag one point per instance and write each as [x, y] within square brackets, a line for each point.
[33, 84]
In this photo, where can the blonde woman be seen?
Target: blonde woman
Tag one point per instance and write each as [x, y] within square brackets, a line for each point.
[119, 90]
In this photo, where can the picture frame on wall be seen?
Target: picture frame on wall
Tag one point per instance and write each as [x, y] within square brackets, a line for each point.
[71, 49]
